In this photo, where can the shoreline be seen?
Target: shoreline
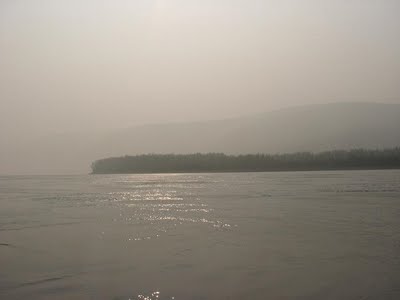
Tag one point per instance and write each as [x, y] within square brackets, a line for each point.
[248, 171]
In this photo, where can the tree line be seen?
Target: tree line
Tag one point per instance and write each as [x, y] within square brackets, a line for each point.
[219, 162]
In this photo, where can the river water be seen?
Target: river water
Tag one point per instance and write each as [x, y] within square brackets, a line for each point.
[285, 235]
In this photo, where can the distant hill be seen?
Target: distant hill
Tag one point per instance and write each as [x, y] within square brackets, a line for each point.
[307, 128]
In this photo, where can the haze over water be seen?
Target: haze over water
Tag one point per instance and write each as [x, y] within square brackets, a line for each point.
[78, 76]
[288, 235]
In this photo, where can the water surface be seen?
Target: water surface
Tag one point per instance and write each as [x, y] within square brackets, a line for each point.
[287, 235]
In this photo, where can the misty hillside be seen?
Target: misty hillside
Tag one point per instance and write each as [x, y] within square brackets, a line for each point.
[306, 128]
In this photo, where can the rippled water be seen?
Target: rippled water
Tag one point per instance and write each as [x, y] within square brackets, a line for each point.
[289, 235]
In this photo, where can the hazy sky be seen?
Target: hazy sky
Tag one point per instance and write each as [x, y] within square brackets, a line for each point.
[72, 64]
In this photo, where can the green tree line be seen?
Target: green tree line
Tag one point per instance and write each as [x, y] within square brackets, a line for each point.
[219, 162]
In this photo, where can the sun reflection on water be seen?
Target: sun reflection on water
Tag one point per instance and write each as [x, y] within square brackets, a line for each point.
[153, 296]
[152, 206]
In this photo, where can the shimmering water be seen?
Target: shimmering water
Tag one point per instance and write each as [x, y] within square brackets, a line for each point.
[289, 235]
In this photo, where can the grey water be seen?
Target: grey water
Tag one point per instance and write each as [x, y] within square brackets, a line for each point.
[286, 235]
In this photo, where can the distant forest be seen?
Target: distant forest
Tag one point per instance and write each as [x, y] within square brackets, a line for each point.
[219, 162]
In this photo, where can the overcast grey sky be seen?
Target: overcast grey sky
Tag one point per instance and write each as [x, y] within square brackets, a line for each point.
[78, 64]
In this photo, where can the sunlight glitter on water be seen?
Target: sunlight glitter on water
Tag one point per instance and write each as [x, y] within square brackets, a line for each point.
[153, 296]
[144, 196]
[163, 202]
